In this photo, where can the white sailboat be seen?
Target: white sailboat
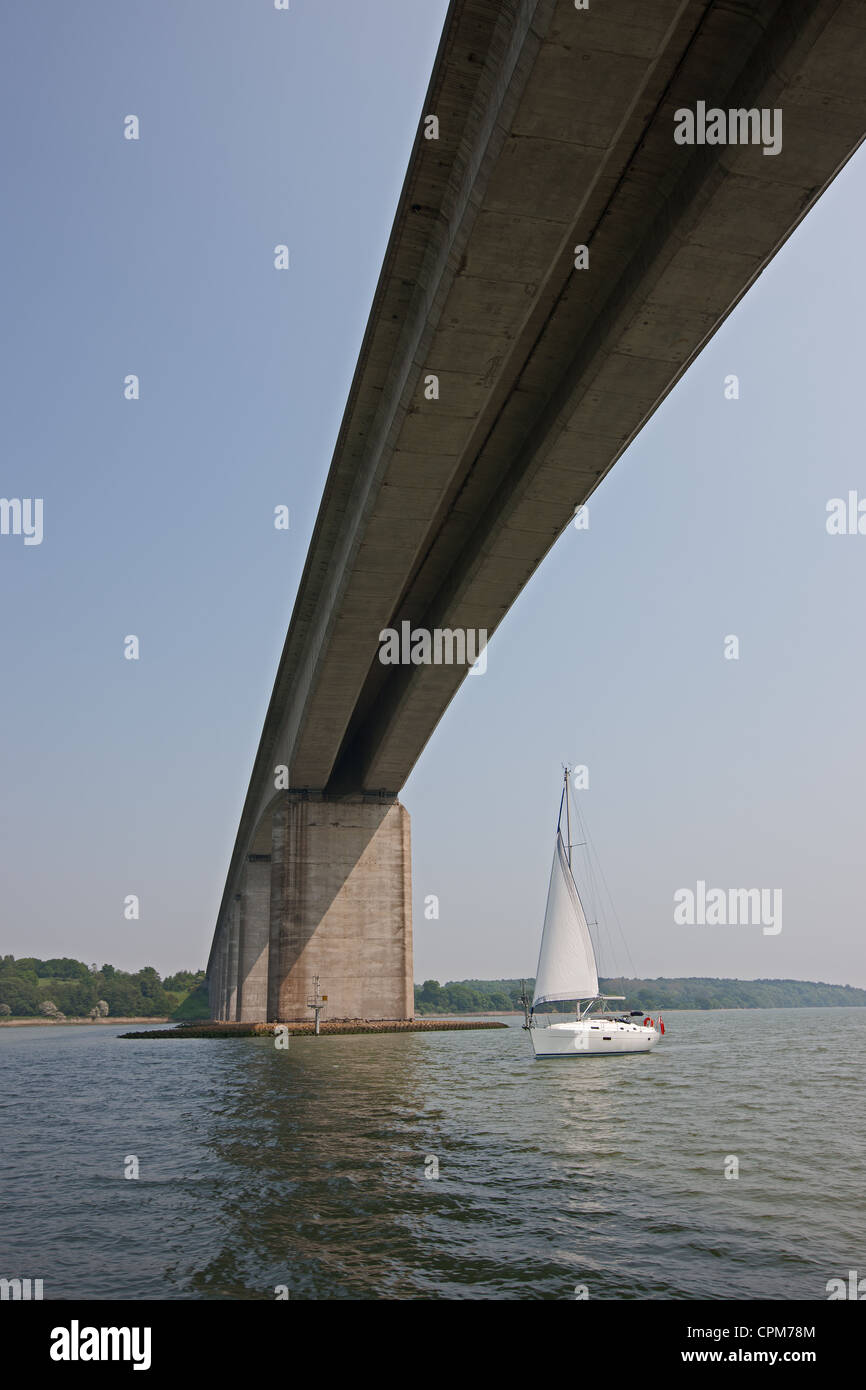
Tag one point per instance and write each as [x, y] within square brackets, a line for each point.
[567, 971]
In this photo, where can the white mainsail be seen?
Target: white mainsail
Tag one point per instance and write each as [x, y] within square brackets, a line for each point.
[566, 962]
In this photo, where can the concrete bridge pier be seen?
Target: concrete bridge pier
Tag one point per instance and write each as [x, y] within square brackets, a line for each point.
[254, 918]
[217, 974]
[331, 896]
[340, 907]
[232, 945]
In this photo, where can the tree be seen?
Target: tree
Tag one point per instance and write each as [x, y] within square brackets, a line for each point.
[74, 997]
[25, 968]
[183, 981]
[148, 981]
[122, 996]
[431, 994]
[21, 995]
[461, 999]
[64, 968]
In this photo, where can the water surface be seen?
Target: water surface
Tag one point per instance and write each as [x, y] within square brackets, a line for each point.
[306, 1167]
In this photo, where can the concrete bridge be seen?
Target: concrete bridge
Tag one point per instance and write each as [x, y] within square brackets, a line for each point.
[565, 244]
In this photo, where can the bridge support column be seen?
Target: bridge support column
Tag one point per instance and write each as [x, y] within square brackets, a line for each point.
[233, 931]
[222, 975]
[341, 908]
[214, 978]
[255, 913]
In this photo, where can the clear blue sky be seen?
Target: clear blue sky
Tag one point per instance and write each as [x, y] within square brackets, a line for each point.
[156, 258]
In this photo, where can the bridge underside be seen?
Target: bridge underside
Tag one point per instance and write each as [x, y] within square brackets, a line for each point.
[556, 131]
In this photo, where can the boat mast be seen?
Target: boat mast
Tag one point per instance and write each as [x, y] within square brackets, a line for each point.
[567, 801]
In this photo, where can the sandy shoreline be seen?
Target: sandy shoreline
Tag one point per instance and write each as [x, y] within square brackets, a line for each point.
[72, 1022]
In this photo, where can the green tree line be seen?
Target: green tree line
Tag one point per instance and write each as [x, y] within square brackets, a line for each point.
[489, 996]
[76, 990]
[28, 986]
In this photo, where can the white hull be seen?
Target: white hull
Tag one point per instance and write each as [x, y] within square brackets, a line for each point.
[592, 1037]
